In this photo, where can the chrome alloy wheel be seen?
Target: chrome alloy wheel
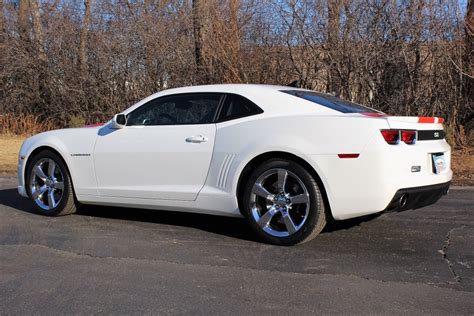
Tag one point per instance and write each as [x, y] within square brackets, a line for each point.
[46, 184]
[279, 202]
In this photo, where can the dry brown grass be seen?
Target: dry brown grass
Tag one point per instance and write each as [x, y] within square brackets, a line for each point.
[463, 166]
[13, 131]
[23, 124]
[462, 160]
[9, 148]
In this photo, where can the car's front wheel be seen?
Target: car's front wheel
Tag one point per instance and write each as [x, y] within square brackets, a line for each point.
[283, 203]
[49, 185]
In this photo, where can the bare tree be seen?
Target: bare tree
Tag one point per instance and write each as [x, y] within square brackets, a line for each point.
[2, 22]
[89, 59]
[43, 87]
[199, 38]
[3, 36]
[23, 20]
[38, 31]
[333, 29]
[469, 61]
[83, 39]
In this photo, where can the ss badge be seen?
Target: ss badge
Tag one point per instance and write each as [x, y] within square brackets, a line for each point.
[415, 168]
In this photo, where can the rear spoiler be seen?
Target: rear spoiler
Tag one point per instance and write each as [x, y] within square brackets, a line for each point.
[419, 119]
[436, 120]
[408, 119]
[415, 122]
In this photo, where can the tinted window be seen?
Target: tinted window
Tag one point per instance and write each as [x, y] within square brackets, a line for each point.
[330, 101]
[177, 109]
[236, 106]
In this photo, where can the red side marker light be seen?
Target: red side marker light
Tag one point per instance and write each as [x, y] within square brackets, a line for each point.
[348, 155]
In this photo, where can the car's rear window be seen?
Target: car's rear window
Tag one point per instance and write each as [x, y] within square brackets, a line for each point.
[330, 101]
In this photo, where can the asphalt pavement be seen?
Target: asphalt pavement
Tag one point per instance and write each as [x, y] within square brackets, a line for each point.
[107, 260]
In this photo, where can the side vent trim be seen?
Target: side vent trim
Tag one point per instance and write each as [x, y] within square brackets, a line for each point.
[224, 171]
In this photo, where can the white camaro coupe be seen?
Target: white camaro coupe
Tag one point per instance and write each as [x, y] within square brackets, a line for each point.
[284, 158]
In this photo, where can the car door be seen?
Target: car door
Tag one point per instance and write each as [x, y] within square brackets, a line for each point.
[163, 152]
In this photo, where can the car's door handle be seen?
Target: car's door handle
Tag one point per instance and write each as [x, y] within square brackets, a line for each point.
[196, 139]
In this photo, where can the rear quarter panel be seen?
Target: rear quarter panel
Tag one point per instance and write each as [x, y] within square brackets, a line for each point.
[312, 138]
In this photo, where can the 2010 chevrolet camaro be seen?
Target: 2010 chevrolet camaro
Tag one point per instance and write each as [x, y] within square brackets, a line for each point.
[284, 158]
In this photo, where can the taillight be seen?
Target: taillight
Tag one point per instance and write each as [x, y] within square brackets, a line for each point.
[394, 136]
[391, 136]
[409, 137]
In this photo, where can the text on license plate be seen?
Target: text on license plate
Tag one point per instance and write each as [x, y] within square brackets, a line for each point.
[439, 162]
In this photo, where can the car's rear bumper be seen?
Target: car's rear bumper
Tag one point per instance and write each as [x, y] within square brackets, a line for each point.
[368, 184]
[413, 198]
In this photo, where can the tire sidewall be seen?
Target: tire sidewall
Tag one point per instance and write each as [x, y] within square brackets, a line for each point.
[316, 202]
[66, 179]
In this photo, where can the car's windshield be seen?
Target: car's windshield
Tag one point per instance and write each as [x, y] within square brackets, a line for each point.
[330, 101]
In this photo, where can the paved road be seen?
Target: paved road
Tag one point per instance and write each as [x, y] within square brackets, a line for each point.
[111, 260]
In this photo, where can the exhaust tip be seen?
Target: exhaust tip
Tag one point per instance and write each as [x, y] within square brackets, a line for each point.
[403, 200]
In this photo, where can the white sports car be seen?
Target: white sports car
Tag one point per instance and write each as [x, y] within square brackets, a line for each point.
[284, 158]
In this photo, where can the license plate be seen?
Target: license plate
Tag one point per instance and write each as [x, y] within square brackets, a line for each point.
[439, 163]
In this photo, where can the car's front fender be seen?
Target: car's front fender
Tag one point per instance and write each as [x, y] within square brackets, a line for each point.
[75, 146]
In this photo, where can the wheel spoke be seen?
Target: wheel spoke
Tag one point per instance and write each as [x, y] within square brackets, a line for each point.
[39, 192]
[51, 167]
[46, 183]
[275, 192]
[267, 217]
[259, 190]
[39, 172]
[51, 199]
[300, 199]
[290, 226]
[59, 185]
[282, 175]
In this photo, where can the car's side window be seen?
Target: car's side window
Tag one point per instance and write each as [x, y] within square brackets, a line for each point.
[181, 109]
[236, 106]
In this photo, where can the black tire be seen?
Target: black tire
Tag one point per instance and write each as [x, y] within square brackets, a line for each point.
[67, 203]
[316, 215]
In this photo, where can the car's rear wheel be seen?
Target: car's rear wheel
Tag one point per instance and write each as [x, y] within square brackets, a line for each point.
[283, 203]
[49, 185]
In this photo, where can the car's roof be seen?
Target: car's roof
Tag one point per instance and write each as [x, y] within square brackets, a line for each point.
[229, 88]
[268, 97]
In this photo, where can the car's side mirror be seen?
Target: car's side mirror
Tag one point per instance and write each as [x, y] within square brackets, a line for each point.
[119, 121]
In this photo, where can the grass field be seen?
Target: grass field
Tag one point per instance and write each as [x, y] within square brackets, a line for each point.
[462, 165]
[9, 148]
